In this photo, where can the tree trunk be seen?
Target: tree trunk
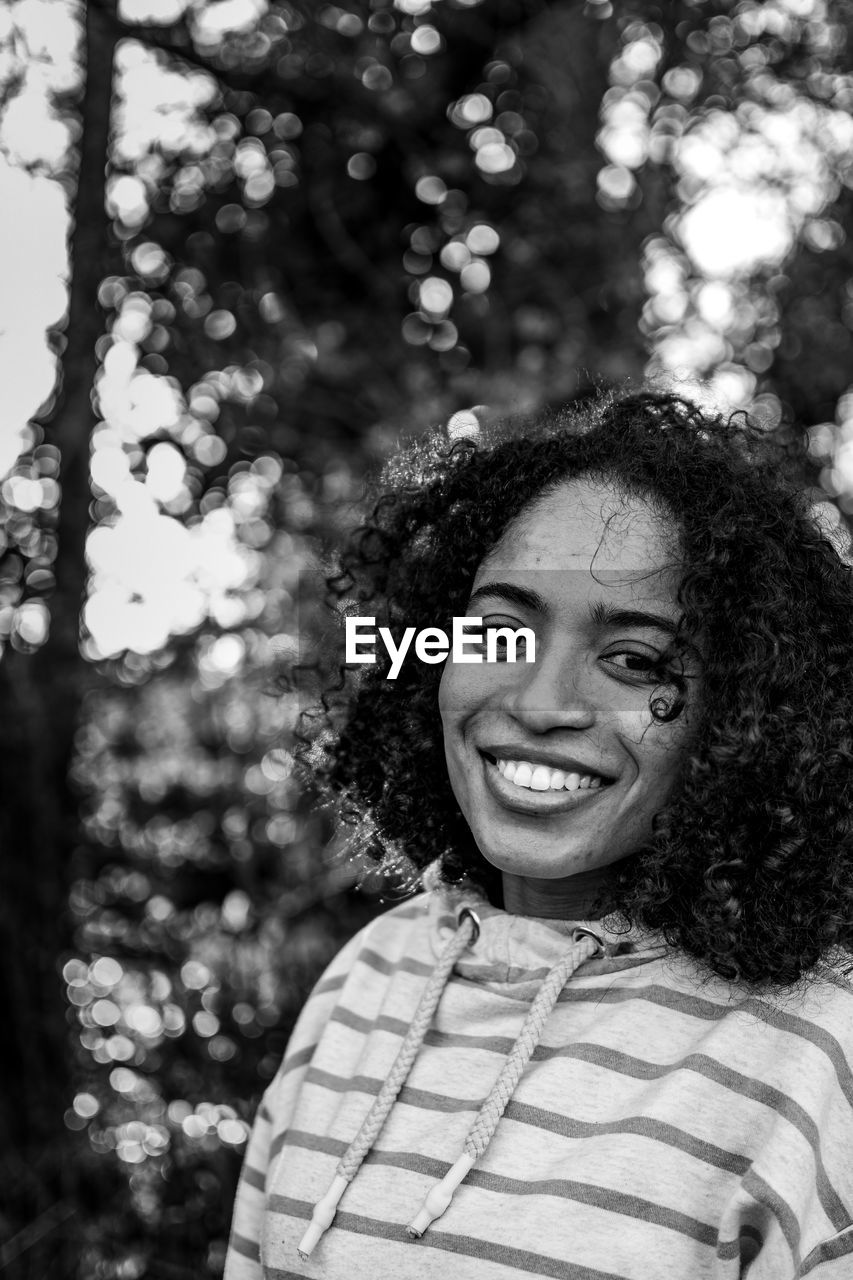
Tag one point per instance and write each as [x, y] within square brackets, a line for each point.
[40, 698]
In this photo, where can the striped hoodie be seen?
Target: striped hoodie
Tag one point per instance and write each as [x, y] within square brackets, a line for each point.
[659, 1123]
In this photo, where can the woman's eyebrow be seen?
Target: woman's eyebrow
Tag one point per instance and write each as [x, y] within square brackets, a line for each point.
[602, 615]
[605, 615]
[522, 596]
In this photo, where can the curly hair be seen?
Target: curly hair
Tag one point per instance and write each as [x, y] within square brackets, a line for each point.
[749, 866]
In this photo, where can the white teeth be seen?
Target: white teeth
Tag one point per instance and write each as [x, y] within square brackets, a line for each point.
[539, 777]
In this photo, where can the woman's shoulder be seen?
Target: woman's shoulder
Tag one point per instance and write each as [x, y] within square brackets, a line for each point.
[396, 933]
[359, 973]
[831, 992]
[412, 915]
[818, 1009]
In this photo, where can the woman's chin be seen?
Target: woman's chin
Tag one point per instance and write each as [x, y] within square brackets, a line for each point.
[532, 864]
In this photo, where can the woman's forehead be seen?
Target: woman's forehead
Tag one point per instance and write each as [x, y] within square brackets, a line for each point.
[586, 525]
[604, 597]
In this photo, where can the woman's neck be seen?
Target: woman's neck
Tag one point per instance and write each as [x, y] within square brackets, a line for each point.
[581, 897]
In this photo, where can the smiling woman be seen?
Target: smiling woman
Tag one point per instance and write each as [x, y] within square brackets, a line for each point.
[611, 1038]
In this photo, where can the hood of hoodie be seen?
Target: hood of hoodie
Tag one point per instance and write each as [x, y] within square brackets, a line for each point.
[519, 951]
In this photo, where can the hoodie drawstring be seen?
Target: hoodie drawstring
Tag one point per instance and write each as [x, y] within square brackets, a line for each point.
[585, 944]
[480, 1134]
[324, 1211]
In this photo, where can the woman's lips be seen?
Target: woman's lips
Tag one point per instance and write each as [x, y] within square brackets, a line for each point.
[543, 803]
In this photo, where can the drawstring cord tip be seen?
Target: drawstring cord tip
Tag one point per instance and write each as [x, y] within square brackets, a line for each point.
[439, 1196]
[321, 1218]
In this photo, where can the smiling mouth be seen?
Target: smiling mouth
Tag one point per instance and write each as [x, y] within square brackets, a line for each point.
[530, 776]
[534, 793]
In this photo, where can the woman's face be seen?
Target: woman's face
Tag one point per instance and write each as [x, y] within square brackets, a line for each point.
[580, 568]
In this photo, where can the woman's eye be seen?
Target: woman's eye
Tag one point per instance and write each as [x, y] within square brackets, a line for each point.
[645, 666]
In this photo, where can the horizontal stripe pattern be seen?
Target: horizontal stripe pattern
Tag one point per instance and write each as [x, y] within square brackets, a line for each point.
[560, 1188]
[836, 1211]
[666, 1124]
[519, 1260]
[682, 1002]
[611, 1061]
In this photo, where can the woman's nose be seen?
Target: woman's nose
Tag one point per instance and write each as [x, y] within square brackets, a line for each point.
[550, 693]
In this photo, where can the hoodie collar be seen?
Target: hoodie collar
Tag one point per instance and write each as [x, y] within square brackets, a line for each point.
[519, 950]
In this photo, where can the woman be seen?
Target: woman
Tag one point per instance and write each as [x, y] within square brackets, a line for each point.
[614, 1036]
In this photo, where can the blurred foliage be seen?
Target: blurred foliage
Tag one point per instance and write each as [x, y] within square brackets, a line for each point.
[206, 899]
[332, 226]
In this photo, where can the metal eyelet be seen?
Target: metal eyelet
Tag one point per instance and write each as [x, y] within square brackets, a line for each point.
[579, 932]
[466, 911]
